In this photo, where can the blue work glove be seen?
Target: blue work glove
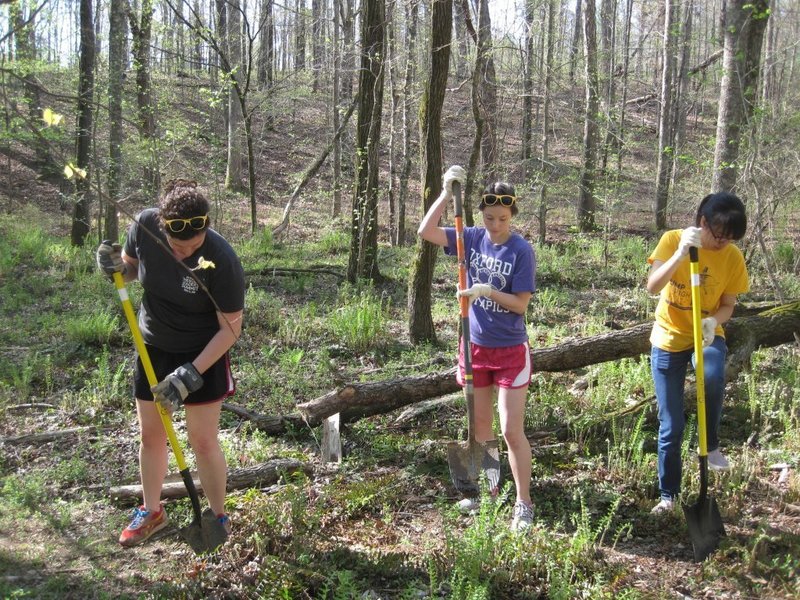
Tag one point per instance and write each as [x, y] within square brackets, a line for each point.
[109, 259]
[173, 389]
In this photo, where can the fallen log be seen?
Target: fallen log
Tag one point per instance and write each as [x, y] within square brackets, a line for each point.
[256, 476]
[51, 436]
[769, 328]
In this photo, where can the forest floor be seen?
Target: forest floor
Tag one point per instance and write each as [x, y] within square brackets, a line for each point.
[383, 522]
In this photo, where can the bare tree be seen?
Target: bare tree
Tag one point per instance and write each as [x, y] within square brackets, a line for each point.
[116, 73]
[576, 42]
[487, 91]
[420, 321]
[586, 200]
[546, 118]
[412, 17]
[80, 218]
[234, 170]
[665, 123]
[141, 29]
[363, 260]
[745, 23]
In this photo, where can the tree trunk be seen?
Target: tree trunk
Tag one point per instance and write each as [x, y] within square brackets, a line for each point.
[626, 59]
[300, 36]
[317, 39]
[116, 73]
[419, 290]
[80, 218]
[488, 93]
[412, 17]
[681, 89]
[363, 259]
[586, 201]
[336, 209]
[608, 29]
[266, 49]
[394, 94]
[665, 133]
[527, 91]
[576, 42]
[141, 30]
[235, 163]
[546, 119]
[744, 335]
[745, 22]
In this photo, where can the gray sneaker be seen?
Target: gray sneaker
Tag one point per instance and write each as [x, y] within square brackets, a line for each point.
[523, 516]
[717, 461]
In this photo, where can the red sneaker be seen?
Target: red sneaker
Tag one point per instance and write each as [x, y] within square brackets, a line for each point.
[144, 524]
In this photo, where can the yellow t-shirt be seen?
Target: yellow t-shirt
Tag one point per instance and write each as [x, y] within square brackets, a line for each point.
[721, 272]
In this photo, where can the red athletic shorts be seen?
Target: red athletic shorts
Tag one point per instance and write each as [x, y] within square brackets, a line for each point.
[508, 367]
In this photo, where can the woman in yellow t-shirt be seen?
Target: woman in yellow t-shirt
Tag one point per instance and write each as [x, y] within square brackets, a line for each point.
[720, 219]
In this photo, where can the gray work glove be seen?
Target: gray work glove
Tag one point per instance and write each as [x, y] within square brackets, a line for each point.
[173, 389]
[109, 259]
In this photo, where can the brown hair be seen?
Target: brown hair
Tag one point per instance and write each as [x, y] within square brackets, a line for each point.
[183, 200]
[500, 188]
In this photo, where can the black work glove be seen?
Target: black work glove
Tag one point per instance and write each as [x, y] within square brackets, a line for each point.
[173, 389]
[109, 259]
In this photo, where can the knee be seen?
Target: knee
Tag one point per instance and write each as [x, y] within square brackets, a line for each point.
[153, 438]
[204, 445]
[515, 437]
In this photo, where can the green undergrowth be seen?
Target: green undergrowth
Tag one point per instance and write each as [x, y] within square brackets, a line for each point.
[382, 522]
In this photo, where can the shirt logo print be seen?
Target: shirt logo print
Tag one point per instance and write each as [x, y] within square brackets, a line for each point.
[189, 285]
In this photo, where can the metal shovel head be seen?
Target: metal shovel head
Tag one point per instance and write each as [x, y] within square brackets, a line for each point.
[468, 459]
[705, 526]
[205, 535]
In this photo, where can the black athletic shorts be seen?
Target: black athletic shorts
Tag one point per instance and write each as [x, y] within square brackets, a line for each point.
[218, 381]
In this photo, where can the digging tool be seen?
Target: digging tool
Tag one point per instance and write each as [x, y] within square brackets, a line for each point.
[205, 533]
[467, 460]
[702, 517]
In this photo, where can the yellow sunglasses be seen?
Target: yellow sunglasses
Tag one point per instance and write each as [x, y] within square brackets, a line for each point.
[178, 225]
[503, 199]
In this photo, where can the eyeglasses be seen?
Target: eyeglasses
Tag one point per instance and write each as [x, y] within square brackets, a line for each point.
[503, 199]
[178, 225]
[719, 238]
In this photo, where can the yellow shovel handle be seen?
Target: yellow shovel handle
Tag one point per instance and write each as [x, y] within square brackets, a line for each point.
[697, 330]
[166, 418]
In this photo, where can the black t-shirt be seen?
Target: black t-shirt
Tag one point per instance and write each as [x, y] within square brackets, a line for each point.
[176, 314]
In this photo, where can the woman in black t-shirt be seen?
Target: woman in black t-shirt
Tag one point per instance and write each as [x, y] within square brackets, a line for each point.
[190, 316]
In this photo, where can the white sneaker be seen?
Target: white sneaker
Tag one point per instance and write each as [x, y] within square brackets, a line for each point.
[523, 516]
[469, 505]
[717, 462]
[665, 506]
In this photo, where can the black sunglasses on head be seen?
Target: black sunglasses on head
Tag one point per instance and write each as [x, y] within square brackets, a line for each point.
[502, 199]
[178, 225]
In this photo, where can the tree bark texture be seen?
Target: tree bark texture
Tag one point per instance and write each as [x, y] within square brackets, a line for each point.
[745, 23]
[665, 122]
[488, 93]
[419, 291]
[586, 200]
[116, 74]
[363, 260]
[80, 218]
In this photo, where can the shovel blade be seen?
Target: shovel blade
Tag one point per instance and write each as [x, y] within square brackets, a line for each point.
[468, 460]
[705, 526]
[205, 535]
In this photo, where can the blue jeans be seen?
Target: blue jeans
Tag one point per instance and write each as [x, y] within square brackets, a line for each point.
[669, 374]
